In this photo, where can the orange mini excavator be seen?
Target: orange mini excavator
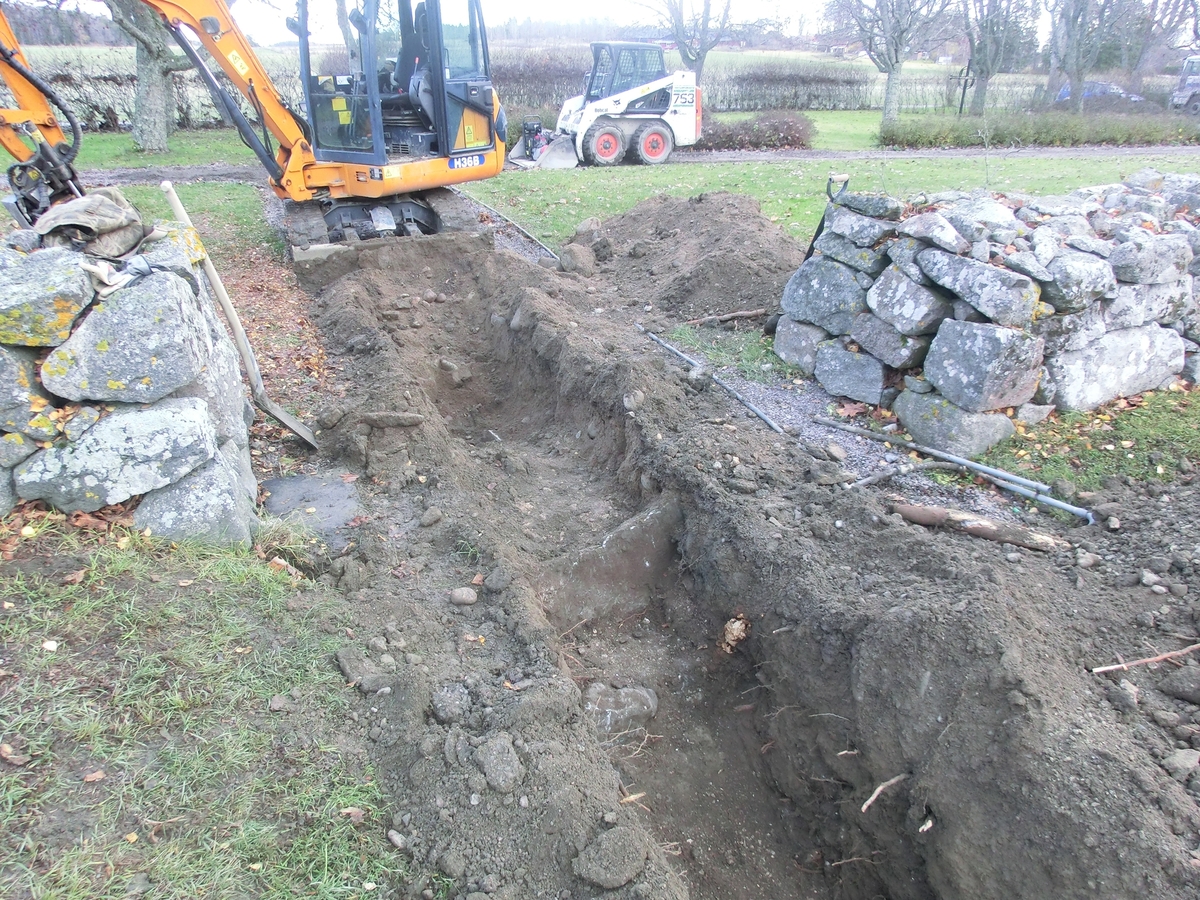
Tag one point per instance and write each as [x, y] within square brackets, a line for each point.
[374, 131]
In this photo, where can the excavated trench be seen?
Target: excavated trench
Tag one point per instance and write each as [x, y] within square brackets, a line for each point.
[614, 516]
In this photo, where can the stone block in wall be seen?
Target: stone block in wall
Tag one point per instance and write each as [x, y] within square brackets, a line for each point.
[846, 251]
[903, 253]
[1148, 179]
[862, 230]
[796, 343]
[239, 458]
[15, 447]
[980, 366]
[130, 452]
[934, 421]
[8, 494]
[1140, 304]
[933, 228]
[1151, 258]
[1072, 331]
[1191, 368]
[1093, 245]
[136, 346]
[1183, 202]
[909, 307]
[827, 293]
[41, 296]
[207, 505]
[23, 403]
[1045, 245]
[1000, 294]
[1158, 207]
[844, 373]
[1118, 364]
[965, 312]
[219, 385]
[1066, 226]
[886, 344]
[991, 214]
[877, 206]
[1052, 205]
[1078, 280]
[179, 251]
[1026, 262]
[1181, 181]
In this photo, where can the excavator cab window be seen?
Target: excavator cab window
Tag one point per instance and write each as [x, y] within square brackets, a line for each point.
[340, 96]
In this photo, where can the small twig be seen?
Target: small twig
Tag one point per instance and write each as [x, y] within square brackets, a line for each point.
[783, 629]
[842, 862]
[728, 317]
[1122, 666]
[822, 715]
[883, 787]
[847, 753]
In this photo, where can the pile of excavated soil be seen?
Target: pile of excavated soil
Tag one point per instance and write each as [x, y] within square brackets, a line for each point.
[517, 436]
[704, 256]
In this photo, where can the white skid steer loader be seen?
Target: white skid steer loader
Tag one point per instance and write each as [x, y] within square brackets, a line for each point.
[630, 108]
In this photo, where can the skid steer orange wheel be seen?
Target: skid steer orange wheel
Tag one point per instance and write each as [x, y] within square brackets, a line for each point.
[653, 143]
[603, 145]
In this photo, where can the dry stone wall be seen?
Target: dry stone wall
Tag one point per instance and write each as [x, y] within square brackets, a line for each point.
[132, 392]
[957, 308]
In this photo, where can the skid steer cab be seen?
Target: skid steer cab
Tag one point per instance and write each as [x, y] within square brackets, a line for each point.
[631, 109]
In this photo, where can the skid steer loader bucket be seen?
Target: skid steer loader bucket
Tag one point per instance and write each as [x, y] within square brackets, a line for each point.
[559, 154]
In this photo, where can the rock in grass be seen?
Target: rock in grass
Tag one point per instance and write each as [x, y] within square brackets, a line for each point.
[1118, 364]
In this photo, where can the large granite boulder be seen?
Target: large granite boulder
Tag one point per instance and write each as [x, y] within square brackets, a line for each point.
[796, 343]
[907, 306]
[1079, 279]
[130, 452]
[826, 293]
[1118, 364]
[1003, 296]
[41, 295]
[1151, 259]
[844, 373]
[934, 421]
[886, 344]
[208, 505]
[980, 367]
[903, 253]
[136, 346]
[1135, 305]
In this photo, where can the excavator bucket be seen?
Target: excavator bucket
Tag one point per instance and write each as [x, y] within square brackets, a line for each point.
[559, 154]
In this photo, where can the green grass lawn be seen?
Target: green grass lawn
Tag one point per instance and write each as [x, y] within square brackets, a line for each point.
[106, 150]
[792, 192]
[856, 129]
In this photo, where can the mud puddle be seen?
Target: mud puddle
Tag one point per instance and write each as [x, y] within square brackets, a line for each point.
[548, 503]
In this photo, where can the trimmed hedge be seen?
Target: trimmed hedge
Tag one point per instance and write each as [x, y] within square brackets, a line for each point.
[1048, 129]
[766, 131]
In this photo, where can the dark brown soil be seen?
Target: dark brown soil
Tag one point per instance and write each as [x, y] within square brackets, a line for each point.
[876, 650]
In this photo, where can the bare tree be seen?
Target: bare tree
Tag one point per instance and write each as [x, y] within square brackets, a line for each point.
[1078, 31]
[996, 32]
[891, 31]
[154, 103]
[696, 27]
[1147, 27]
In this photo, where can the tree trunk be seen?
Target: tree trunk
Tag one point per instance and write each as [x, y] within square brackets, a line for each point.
[698, 68]
[154, 105]
[891, 96]
[979, 96]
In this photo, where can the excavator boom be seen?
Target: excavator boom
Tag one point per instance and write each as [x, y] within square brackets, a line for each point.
[372, 132]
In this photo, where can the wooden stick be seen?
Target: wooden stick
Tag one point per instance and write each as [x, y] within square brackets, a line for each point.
[905, 469]
[728, 317]
[879, 790]
[978, 526]
[1145, 662]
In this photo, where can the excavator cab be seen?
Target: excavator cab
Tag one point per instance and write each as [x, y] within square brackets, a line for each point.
[403, 83]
